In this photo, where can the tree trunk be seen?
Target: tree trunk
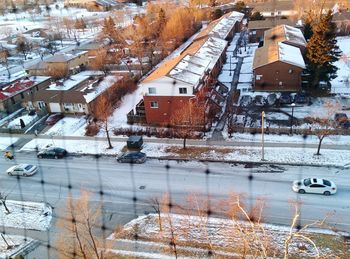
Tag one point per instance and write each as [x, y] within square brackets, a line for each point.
[316, 79]
[108, 138]
[6, 208]
[319, 145]
[185, 138]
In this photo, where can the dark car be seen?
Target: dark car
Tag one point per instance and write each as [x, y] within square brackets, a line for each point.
[246, 100]
[259, 100]
[285, 98]
[300, 98]
[54, 152]
[52, 119]
[132, 157]
[271, 99]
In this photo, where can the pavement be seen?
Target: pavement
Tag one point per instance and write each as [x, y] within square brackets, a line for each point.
[124, 190]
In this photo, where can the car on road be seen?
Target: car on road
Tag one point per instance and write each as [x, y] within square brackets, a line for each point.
[246, 100]
[53, 118]
[271, 99]
[314, 185]
[300, 98]
[132, 158]
[22, 170]
[53, 152]
[341, 118]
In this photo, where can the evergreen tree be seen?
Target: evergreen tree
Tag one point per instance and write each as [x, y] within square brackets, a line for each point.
[308, 26]
[322, 51]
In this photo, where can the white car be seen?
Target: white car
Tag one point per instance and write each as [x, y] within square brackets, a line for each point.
[22, 169]
[314, 185]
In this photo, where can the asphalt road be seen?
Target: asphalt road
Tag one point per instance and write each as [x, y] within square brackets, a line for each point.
[124, 190]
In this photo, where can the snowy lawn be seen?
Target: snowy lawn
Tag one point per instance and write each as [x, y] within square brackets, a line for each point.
[196, 235]
[15, 244]
[5, 142]
[68, 126]
[341, 84]
[16, 123]
[244, 154]
[24, 214]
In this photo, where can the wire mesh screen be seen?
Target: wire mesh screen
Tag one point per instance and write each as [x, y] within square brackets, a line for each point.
[229, 180]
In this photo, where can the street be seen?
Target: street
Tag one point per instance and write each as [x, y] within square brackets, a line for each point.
[125, 190]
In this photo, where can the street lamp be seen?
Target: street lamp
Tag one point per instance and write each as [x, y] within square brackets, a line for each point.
[262, 135]
[230, 64]
[291, 121]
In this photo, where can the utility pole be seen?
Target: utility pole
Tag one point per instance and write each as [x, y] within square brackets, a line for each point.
[262, 135]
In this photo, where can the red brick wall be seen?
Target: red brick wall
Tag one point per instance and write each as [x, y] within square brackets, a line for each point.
[166, 104]
[275, 73]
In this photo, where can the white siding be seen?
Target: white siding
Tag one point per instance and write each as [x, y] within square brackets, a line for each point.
[165, 87]
[55, 107]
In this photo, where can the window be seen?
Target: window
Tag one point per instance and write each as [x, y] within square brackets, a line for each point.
[183, 90]
[307, 182]
[154, 104]
[253, 32]
[316, 186]
[152, 90]
[258, 77]
[22, 96]
[326, 182]
[279, 12]
[290, 71]
[272, 13]
[280, 83]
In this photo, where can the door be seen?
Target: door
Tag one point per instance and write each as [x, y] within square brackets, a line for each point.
[55, 107]
[316, 188]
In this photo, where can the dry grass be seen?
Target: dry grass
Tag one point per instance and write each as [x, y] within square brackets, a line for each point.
[196, 152]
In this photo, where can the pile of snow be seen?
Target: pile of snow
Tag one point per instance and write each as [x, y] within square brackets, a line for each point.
[27, 215]
[68, 126]
[222, 235]
[5, 142]
[16, 123]
[16, 243]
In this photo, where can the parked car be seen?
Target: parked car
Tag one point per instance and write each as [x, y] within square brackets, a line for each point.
[246, 100]
[53, 152]
[341, 118]
[259, 100]
[53, 118]
[239, 120]
[346, 125]
[132, 157]
[285, 98]
[22, 170]
[315, 185]
[271, 99]
[300, 98]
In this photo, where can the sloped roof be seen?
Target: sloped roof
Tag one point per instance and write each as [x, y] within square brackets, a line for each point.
[201, 54]
[278, 52]
[284, 33]
[268, 23]
[64, 57]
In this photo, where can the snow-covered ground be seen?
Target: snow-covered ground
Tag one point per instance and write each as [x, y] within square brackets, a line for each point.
[244, 153]
[341, 84]
[5, 142]
[68, 126]
[28, 215]
[16, 243]
[16, 123]
[195, 235]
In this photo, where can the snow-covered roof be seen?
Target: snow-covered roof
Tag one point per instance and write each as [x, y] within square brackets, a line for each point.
[290, 55]
[284, 33]
[224, 27]
[68, 84]
[64, 57]
[92, 90]
[278, 52]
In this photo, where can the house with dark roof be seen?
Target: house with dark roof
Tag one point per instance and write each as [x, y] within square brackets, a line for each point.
[186, 75]
[13, 94]
[278, 65]
[93, 5]
[60, 64]
[342, 20]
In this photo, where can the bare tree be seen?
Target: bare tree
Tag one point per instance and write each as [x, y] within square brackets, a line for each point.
[77, 223]
[99, 62]
[187, 119]
[23, 46]
[101, 111]
[3, 199]
[4, 62]
[324, 125]
[156, 206]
